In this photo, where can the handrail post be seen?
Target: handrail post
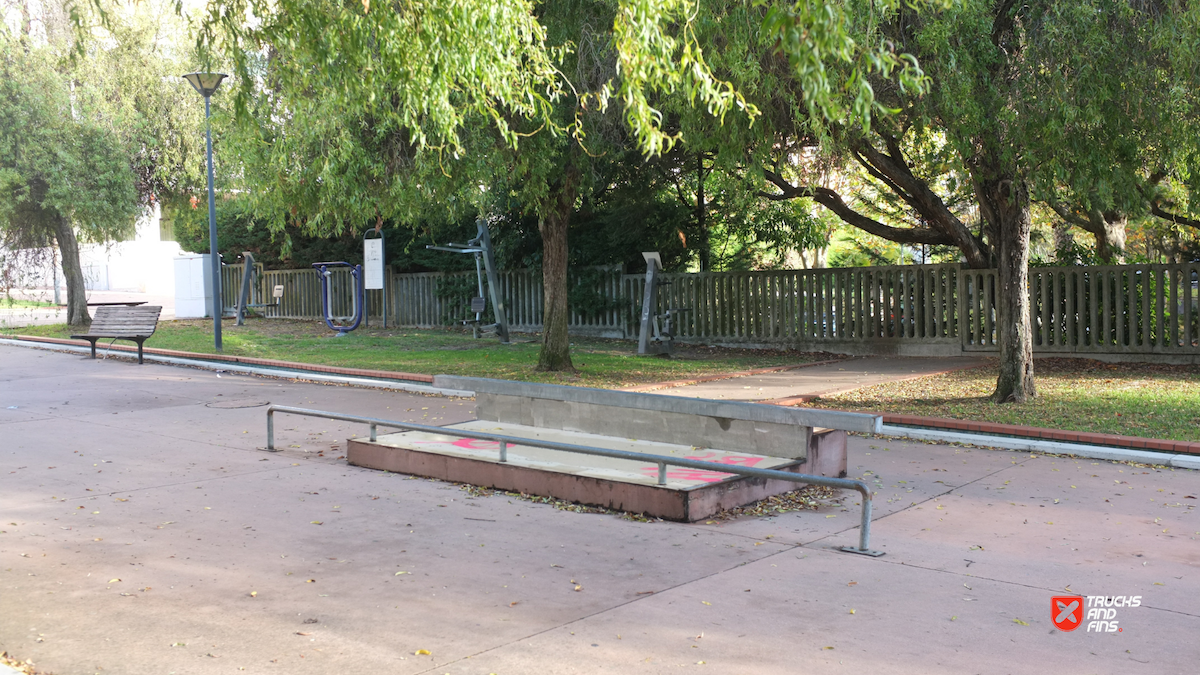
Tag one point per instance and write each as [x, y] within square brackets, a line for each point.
[270, 430]
[662, 473]
[372, 433]
[503, 451]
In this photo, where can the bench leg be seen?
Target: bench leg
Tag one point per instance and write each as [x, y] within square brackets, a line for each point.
[93, 348]
[140, 351]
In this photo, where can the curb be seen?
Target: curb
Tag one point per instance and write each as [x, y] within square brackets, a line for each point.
[1046, 447]
[1041, 433]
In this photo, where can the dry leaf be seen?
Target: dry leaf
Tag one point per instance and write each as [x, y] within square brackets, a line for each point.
[1020, 622]
[706, 602]
[317, 522]
[113, 581]
[254, 594]
[422, 652]
[301, 633]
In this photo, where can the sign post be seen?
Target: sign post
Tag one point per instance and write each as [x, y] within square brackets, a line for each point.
[373, 276]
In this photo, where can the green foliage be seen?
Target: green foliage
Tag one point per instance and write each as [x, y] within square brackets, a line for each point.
[55, 164]
[127, 74]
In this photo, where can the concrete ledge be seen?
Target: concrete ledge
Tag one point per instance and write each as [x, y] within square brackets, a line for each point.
[718, 410]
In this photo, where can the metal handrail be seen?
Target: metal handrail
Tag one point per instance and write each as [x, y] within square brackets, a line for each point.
[661, 460]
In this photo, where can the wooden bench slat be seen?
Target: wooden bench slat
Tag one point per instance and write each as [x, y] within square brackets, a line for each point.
[123, 323]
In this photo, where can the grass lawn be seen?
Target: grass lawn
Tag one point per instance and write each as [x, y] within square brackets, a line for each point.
[1148, 400]
[601, 363]
[14, 303]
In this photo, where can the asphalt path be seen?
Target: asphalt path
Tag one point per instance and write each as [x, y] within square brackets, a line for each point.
[144, 530]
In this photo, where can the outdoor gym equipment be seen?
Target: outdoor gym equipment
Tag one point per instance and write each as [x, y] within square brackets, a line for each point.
[246, 298]
[356, 297]
[481, 247]
[663, 338]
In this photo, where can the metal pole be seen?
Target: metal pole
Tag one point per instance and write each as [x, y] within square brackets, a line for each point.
[218, 304]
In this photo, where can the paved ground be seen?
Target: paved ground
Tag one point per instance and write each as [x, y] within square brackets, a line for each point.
[144, 532]
[829, 378]
[38, 316]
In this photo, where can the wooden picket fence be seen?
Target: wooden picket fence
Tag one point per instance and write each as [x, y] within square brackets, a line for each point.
[1127, 309]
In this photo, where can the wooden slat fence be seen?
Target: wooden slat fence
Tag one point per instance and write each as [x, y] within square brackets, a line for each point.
[1110, 309]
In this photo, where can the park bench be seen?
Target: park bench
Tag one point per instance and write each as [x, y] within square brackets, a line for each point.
[136, 324]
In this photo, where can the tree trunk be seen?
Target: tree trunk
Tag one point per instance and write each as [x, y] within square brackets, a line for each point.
[553, 223]
[1008, 203]
[1109, 230]
[68, 246]
[1064, 243]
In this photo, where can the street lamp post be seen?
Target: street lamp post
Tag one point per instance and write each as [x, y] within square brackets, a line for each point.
[206, 84]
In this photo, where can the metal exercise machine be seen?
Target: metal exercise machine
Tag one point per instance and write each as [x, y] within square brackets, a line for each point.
[249, 294]
[655, 338]
[356, 298]
[481, 248]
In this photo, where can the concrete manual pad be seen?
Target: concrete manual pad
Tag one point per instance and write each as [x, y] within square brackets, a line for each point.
[688, 495]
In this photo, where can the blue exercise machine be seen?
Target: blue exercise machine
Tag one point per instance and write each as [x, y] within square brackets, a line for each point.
[359, 306]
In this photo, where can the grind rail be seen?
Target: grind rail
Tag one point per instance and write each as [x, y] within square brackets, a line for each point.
[864, 537]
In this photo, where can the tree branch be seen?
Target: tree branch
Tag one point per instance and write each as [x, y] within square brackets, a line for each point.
[1173, 217]
[833, 201]
[1068, 216]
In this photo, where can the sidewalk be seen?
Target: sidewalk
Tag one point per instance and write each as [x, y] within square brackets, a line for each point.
[821, 379]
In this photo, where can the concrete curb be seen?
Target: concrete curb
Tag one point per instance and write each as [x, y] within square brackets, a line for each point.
[260, 371]
[1046, 447]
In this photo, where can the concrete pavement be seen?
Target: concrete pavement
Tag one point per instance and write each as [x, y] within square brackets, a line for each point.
[142, 531]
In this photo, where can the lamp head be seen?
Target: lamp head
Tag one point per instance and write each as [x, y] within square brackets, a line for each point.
[205, 83]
